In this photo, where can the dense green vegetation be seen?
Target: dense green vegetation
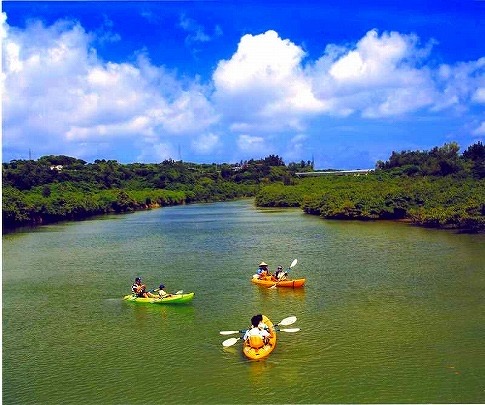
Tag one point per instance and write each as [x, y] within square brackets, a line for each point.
[55, 188]
[435, 202]
[438, 188]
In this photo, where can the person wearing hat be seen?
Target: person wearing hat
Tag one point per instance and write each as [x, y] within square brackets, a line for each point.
[162, 293]
[138, 288]
[262, 270]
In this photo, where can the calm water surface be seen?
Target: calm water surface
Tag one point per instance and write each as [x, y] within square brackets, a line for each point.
[390, 313]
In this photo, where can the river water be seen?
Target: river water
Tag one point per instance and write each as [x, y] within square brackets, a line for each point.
[390, 313]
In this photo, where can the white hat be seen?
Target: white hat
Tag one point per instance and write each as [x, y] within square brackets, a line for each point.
[262, 264]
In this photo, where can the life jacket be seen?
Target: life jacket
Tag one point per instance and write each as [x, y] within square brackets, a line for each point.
[138, 289]
[256, 341]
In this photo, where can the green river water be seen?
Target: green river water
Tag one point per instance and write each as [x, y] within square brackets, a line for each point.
[390, 313]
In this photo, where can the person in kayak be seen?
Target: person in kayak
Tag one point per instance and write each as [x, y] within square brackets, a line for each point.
[278, 273]
[162, 293]
[261, 324]
[259, 334]
[139, 289]
[262, 270]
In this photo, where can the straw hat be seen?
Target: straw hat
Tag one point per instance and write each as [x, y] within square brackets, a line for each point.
[262, 264]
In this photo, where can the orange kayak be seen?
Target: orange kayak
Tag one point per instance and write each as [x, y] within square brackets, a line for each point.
[261, 353]
[268, 281]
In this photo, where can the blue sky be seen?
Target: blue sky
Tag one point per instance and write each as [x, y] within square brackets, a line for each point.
[344, 83]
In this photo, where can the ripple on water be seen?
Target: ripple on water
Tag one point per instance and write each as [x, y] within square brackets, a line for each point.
[389, 313]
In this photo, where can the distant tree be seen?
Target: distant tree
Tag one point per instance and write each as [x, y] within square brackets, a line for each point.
[226, 172]
[446, 159]
[60, 160]
[46, 191]
[273, 160]
[440, 161]
[475, 154]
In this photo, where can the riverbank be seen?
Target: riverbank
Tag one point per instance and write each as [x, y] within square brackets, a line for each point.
[440, 189]
[32, 208]
[461, 225]
[432, 202]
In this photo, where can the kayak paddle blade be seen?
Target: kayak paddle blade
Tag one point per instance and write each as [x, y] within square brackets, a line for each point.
[288, 321]
[228, 332]
[289, 330]
[230, 342]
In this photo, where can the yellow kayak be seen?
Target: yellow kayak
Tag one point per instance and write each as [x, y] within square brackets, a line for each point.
[269, 281]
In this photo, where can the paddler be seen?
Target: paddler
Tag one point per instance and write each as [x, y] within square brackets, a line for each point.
[139, 289]
[262, 270]
[278, 273]
[259, 334]
[162, 293]
[261, 324]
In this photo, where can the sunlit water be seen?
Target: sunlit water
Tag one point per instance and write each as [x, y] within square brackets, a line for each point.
[390, 314]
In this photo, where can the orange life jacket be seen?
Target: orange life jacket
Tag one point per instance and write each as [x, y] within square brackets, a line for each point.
[256, 341]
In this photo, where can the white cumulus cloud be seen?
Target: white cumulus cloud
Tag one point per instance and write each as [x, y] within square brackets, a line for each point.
[251, 144]
[381, 75]
[59, 96]
[263, 85]
[57, 88]
[206, 143]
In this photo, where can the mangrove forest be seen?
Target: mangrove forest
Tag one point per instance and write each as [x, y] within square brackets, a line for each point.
[439, 188]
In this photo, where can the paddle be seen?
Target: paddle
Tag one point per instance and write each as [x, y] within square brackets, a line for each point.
[230, 341]
[233, 341]
[230, 332]
[293, 264]
[288, 330]
[284, 322]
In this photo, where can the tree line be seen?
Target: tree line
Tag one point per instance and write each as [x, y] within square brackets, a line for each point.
[59, 187]
[432, 188]
[439, 161]
[437, 188]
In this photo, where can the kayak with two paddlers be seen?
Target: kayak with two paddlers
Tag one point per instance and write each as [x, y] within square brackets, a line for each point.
[178, 298]
[141, 295]
[278, 279]
[269, 281]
